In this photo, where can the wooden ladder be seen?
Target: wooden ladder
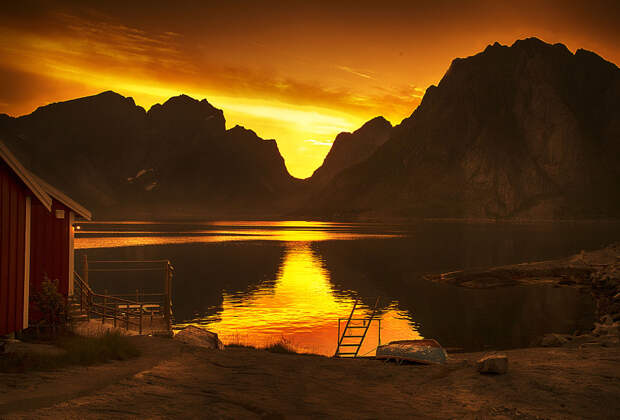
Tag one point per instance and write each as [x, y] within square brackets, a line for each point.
[353, 332]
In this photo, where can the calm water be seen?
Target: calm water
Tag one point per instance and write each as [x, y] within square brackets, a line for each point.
[259, 282]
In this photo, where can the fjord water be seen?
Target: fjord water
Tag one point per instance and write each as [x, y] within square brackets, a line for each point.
[260, 282]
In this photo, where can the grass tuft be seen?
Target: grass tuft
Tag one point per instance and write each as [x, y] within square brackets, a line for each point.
[283, 346]
[78, 351]
[91, 350]
[240, 346]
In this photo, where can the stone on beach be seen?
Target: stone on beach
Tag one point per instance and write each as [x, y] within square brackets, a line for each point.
[493, 363]
[199, 337]
[606, 328]
[553, 340]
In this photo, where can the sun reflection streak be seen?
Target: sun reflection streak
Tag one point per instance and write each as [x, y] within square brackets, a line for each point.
[300, 306]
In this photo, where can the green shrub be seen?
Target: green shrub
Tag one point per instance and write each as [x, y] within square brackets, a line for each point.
[52, 304]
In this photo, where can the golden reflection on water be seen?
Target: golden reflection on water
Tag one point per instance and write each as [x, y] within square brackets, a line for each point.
[287, 231]
[300, 307]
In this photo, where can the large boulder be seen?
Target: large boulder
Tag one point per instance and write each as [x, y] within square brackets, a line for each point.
[196, 336]
[493, 363]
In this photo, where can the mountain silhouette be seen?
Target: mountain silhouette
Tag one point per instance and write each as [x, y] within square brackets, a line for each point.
[529, 131]
[349, 149]
[176, 160]
[526, 131]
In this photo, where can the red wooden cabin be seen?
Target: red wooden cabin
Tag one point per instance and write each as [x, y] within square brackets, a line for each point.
[36, 240]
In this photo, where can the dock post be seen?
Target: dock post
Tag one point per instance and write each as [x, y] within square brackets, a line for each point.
[167, 293]
[338, 339]
[85, 268]
[105, 302]
[141, 319]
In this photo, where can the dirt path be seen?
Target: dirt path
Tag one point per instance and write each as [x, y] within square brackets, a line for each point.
[19, 392]
[173, 380]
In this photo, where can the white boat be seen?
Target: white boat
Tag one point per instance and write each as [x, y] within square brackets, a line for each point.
[426, 351]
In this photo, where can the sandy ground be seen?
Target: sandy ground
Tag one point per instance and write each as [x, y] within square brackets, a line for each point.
[175, 380]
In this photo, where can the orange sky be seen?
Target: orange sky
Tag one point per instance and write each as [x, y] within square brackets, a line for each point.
[296, 71]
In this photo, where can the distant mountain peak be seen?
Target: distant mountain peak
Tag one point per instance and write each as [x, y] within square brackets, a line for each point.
[526, 131]
[108, 101]
[375, 123]
[349, 149]
[531, 42]
[183, 109]
[186, 102]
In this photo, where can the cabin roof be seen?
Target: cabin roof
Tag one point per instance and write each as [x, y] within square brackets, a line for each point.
[26, 176]
[64, 198]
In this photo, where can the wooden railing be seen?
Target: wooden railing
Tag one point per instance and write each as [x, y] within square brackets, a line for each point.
[123, 310]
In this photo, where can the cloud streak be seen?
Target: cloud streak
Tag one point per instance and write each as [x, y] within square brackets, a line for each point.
[355, 72]
[320, 143]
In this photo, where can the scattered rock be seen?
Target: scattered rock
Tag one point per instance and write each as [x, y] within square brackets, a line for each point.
[553, 340]
[610, 341]
[493, 363]
[199, 337]
[612, 328]
[590, 344]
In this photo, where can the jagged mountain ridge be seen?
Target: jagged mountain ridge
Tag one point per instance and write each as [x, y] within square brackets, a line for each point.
[527, 131]
[175, 160]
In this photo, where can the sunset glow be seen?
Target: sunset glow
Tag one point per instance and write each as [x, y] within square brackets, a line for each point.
[298, 72]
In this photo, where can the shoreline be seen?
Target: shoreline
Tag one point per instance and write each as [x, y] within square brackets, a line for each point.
[361, 220]
[176, 380]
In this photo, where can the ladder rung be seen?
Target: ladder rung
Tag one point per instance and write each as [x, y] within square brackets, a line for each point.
[352, 336]
[339, 353]
[356, 326]
[350, 345]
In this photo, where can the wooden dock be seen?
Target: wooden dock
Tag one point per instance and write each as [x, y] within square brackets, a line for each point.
[139, 313]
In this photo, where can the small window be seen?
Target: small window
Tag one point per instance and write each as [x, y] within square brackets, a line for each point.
[60, 214]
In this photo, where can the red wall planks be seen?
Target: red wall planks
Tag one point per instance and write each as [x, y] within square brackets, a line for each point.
[49, 249]
[12, 247]
[49, 255]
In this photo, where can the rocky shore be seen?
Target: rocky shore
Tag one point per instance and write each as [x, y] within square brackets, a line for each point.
[595, 272]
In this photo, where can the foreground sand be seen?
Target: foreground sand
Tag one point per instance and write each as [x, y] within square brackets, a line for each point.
[175, 380]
